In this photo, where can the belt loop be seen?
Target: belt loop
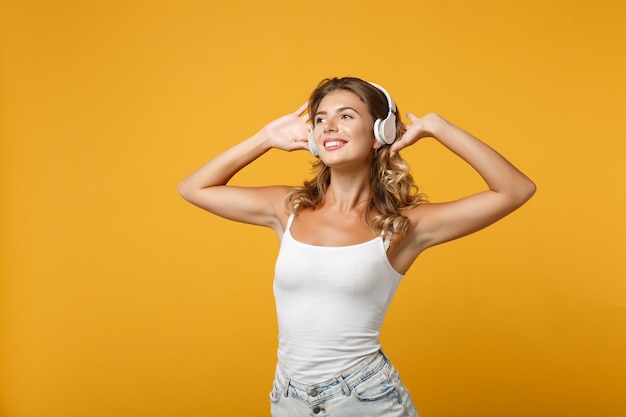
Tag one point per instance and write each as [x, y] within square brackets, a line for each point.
[344, 386]
[287, 383]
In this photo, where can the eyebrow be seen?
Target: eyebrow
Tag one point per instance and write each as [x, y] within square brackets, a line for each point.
[340, 109]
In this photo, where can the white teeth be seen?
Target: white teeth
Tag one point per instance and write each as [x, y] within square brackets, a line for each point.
[333, 143]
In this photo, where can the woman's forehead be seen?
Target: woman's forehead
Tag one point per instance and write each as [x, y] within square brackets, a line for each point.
[341, 98]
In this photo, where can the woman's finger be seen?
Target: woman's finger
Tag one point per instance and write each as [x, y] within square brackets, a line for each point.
[302, 108]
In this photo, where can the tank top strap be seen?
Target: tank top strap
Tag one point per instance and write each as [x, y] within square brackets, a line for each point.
[386, 240]
[290, 221]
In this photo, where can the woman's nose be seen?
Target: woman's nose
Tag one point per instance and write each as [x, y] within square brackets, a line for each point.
[330, 125]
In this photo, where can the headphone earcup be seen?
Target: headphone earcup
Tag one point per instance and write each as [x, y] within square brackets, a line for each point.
[377, 131]
[312, 145]
[385, 129]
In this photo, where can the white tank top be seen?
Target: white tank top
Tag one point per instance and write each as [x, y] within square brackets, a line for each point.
[330, 303]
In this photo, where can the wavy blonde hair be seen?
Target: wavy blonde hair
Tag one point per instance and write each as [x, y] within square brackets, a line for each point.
[392, 185]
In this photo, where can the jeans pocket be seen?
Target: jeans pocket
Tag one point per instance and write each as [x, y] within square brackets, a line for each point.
[374, 388]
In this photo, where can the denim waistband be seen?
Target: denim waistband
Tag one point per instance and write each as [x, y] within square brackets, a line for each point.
[340, 383]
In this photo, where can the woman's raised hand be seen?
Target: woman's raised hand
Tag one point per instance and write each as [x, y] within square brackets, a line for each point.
[419, 128]
[289, 132]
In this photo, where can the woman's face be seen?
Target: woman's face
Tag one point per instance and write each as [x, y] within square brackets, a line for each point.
[343, 128]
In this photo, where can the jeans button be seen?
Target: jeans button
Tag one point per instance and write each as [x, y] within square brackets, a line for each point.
[317, 410]
[314, 393]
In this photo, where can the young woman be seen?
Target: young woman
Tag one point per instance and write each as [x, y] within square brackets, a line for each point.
[348, 236]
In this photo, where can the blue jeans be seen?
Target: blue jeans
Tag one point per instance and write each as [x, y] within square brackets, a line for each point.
[370, 388]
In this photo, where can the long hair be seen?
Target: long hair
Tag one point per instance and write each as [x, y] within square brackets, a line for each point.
[391, 182]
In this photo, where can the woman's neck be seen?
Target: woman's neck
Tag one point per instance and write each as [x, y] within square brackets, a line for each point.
[348, 191]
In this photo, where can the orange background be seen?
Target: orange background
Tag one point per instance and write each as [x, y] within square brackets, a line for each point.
[119, 299]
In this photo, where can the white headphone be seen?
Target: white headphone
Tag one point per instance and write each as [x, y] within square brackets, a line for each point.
[384, 129]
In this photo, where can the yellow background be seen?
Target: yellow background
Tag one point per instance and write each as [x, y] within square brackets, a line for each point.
[119, 299]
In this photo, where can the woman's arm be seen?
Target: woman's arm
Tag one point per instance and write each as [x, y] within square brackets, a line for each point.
[508, 188]
[206, 187]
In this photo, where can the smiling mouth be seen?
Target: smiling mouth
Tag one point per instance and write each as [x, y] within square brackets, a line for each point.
[333, 144]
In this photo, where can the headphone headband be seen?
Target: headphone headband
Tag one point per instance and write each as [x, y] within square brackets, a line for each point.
[390, 103]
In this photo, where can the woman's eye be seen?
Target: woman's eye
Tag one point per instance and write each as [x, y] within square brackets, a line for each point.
[318, 120]
[346, 116]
